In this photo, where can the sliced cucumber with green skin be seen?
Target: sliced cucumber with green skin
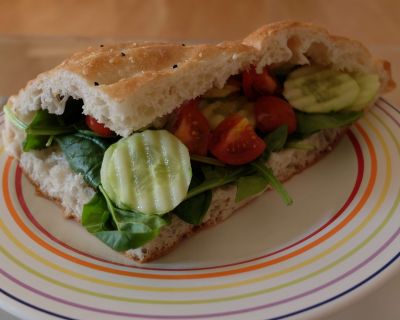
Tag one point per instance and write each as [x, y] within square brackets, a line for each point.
[317, 89]
[148, 172]
[369, 85]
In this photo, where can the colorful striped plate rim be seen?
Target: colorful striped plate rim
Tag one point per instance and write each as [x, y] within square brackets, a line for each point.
[340, 238]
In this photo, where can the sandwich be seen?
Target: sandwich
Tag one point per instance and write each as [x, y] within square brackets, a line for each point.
[146, 143]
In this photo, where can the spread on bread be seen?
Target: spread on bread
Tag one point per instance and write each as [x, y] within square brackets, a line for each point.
[165, 139]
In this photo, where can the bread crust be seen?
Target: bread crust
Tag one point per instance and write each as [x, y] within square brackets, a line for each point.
[126, 86]
[302, 43]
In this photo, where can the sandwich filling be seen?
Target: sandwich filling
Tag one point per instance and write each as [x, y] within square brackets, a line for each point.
[223, 137]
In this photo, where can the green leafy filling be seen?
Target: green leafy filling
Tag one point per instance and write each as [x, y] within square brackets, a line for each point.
[119, 229]
[84, 154]
[309, 123]
[45, 126]
[193, 210]
[122, 229]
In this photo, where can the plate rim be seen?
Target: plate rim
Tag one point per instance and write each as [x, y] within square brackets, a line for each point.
[373, 284]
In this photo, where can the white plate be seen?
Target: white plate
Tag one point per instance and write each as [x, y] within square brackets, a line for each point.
[339, 239]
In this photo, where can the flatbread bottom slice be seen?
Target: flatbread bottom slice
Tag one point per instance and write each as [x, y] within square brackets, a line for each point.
[49, 171]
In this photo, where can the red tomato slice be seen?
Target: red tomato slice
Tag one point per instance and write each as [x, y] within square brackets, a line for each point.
[191, 127]
[97, 127]
[255, 84]
[234, 141]
[272, 112]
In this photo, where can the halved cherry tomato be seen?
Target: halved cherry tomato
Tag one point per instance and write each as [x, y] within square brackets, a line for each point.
[191, 127]
[97, 127]
[234, 141]
[272, 112]
[255, 84]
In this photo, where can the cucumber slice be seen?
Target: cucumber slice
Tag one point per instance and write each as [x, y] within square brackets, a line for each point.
[369, 86]
[148, 172]
[317, 89]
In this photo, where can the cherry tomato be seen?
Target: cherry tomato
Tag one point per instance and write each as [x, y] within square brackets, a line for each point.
[97, 127]
[234, 141]
[255, 84]
[272, 112]
[191, 127]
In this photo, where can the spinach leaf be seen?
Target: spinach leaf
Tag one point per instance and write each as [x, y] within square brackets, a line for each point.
[133, 230]
[207, 177]
[119, 240]
[33, 142]
[267, 173]
[84, 154]
[194, 209]
[120, 229]
[46, 124]
[308, 123]
[43, 126]
[95, 214]
[206, 160]
[276, 139]
[216, 177]
[214, 172]
[248, 186]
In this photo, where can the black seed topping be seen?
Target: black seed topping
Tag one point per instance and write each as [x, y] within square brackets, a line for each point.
[96, 83]
[123, 54]
[183, 45]
[102, 45]
[174, 66]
